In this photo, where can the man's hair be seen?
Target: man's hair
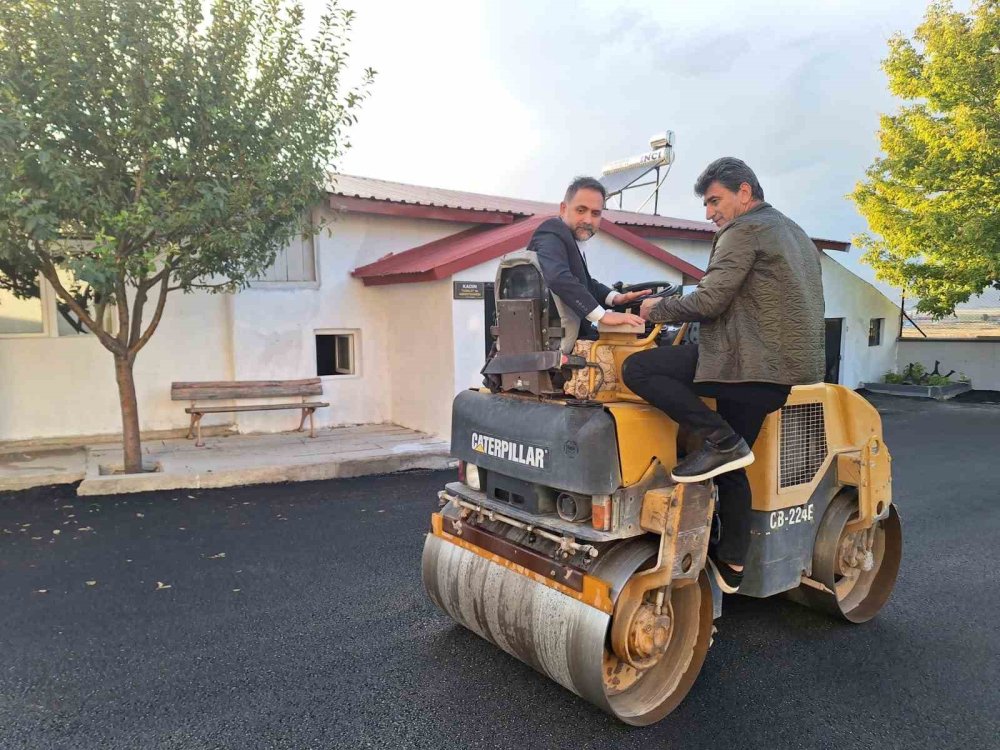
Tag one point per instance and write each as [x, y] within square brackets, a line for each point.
[730, 172]
[584, 183]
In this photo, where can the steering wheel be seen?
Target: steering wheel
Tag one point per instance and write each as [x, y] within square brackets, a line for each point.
[658, 289]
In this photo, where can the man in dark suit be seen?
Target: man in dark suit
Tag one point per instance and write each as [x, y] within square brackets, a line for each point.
[564, 267]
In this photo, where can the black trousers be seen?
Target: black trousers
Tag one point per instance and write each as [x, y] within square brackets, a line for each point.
[664, 377]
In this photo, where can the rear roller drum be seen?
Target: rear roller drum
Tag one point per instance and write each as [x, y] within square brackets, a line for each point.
[856, 569]
[567, 640]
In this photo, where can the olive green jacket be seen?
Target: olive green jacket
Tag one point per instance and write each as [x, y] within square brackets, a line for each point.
[760, 304]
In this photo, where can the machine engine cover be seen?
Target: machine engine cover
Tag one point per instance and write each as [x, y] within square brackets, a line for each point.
[571, 448]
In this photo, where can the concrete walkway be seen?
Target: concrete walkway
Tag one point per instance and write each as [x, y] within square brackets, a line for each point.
[227, 461]
[24, 468]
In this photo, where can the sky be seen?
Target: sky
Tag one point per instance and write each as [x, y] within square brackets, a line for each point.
[516, 97]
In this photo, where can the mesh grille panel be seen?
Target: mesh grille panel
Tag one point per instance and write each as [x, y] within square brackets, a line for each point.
[803, 443]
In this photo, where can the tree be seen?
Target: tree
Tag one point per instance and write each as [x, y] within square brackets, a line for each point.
[934, 196]
[153, 146]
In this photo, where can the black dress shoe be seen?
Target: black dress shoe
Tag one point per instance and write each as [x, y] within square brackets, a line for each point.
[714, 459]
[729, 580]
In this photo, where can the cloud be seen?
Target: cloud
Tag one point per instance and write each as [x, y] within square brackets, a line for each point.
[517, 97]
[438, 113]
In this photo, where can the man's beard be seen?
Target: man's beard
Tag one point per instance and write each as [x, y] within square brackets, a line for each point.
[584, 232]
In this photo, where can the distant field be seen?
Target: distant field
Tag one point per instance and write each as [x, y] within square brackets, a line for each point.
[971, 329]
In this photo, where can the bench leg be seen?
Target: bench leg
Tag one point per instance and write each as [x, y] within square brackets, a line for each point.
[191, 426]
[302, 422]
[199, 443]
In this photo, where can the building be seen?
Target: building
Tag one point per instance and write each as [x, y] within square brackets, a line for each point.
[967, 341]
[389, 307]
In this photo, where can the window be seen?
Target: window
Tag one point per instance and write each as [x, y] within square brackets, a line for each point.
[875, 331]
[32, 308]
[295, 264]
[335, 354]
[21, 312]
[67, 322]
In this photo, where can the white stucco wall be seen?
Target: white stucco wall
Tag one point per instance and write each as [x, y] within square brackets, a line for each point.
[980, 360]
[849, 297]
[695, 252]
[468, 328]
[420, 355]
[611, 260]
[61, 387]
[275, 327]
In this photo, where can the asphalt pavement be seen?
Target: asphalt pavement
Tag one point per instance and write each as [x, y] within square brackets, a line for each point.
[292, 616]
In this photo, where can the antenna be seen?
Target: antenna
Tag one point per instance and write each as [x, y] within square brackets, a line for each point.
[624, 174]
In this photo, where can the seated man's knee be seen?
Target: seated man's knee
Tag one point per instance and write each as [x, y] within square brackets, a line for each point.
[632, 373]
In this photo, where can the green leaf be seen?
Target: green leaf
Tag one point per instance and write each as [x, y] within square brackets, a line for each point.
[932, 199]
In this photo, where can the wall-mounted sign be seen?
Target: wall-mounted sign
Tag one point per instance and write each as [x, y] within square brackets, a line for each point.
[469, 289]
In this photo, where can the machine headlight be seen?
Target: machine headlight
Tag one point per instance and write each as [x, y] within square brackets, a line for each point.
[472, 476]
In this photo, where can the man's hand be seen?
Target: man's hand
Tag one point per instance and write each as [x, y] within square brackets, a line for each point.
[611, 318]
[623, 299]
[647, 307]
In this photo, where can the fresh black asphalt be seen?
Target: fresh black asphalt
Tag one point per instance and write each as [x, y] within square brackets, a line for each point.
[293, 616]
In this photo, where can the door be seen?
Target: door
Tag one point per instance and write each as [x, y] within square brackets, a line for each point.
[834, 346]
[489, 315]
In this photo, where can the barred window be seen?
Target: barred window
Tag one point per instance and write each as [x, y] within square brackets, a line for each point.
[875, 331]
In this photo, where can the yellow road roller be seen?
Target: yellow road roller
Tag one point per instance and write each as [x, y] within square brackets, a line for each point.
[565, 542]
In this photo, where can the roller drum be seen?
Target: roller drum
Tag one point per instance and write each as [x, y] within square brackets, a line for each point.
[563, 638]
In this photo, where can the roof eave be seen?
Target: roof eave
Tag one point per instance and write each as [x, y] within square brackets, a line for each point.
[832, 245]
[353, 204]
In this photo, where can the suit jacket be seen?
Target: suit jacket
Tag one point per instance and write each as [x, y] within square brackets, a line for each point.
[565, 271]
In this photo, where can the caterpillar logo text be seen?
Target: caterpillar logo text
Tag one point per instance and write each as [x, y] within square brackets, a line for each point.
[508, 450]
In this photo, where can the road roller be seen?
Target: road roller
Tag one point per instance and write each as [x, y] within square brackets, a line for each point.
[564, 541]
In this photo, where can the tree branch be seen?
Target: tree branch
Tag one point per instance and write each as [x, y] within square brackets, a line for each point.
[137, 305]
[160, 302]
[52, 276]
[101, 307]
[140, 179]
[122, 309]
[167, 269]
[203, 286]
[161, 277]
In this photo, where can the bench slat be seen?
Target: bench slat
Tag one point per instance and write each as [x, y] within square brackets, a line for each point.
[252, 407]
[221, 390]
[241, 383]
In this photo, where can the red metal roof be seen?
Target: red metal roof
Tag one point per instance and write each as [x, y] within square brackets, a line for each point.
[449, 255]
[370, 195]
[367, 188]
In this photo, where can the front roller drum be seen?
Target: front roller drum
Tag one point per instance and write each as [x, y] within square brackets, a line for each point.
[853, 572]
[566, 639]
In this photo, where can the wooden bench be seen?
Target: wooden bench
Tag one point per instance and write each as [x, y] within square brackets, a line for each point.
[239, 389]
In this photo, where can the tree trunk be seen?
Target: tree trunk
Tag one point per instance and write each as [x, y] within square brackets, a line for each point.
[130, 413]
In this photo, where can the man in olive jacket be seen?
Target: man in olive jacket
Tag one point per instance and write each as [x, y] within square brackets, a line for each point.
[760, 305]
